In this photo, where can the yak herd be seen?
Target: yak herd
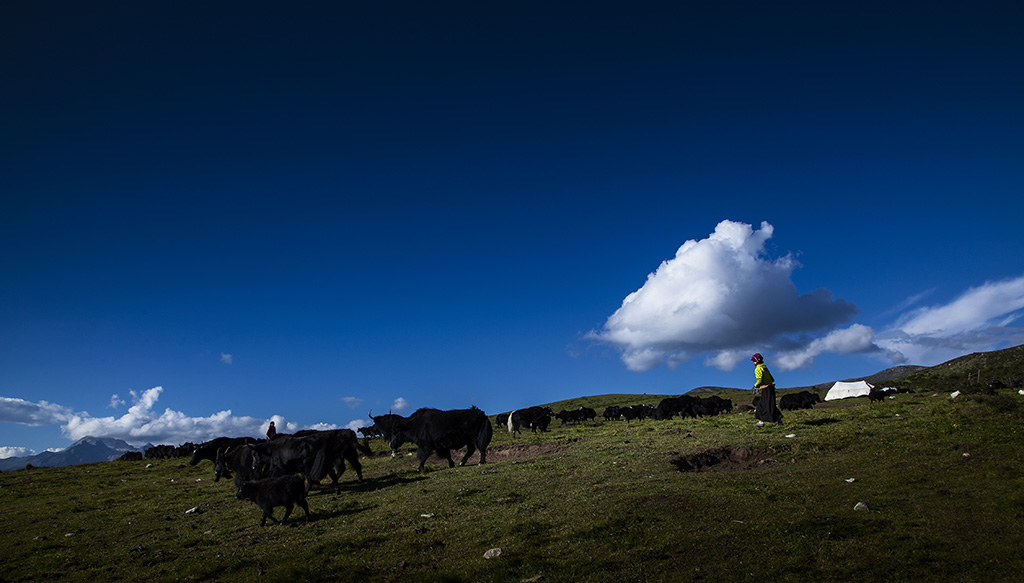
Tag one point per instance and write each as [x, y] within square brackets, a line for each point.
[280, 471]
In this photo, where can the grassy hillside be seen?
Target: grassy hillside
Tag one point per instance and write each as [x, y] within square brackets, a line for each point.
[942, 480]
[973, 372]
[600, 402]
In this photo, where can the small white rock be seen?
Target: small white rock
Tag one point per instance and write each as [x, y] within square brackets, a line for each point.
[426, 515]
[851, 480]
[492, 553]
[791, 435]
[954, 394]
[861, 506]
[192, 510]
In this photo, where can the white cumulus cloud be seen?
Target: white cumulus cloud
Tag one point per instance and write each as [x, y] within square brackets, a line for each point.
[226, 358]
[400, 405]
[721, 297]
[141, 424]
[855, 339]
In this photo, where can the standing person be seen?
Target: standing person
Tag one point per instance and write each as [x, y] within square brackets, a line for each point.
[271, 431]
[766, 409]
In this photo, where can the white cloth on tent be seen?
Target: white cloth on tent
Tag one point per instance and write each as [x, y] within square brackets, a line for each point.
[843, 390]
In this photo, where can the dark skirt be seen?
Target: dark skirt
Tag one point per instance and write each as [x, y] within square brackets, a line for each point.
[767, 410]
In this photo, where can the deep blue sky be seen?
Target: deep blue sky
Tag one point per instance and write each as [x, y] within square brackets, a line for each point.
[446, 203]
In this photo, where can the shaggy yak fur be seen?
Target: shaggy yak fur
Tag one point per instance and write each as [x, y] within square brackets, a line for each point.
[271, 492]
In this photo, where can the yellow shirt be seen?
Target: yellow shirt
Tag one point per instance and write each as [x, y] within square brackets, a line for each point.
[763, 375]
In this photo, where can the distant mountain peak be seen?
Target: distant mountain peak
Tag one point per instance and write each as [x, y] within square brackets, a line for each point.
[86, 450]
[110, 442]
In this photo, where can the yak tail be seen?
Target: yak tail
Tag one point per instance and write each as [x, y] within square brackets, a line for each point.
[486, 432]
[320, 465]
[510, 421]
[364, 446]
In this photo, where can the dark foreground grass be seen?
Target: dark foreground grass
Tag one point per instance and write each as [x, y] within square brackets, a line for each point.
[943, 482]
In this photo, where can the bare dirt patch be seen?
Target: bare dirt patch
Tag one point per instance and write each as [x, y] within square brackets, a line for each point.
[518, 451]
[725, 459]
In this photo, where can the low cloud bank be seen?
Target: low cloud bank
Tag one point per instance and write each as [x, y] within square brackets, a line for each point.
[9, 452]
[142, 424]
[29, 413]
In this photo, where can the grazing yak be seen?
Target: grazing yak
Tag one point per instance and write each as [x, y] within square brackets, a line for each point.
[567, 416]
[713, 405]
[385, 420]
[344, 445]
[682, 405]
[235, 462]
[314, 454]
[208, 449]
[637, 412]
[533, 417]
[691, 406]
[163, 452]
[801, 400]
[159, 452]
[576, 415]
[433, 430]
[268, 493]
[501, 419]
[368, 432]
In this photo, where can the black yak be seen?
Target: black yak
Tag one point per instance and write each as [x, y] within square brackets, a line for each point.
[438, 431]
[269, 493]
[208, 450]
[801, 400]
[314, 454]
[535, 418]
[235, 463]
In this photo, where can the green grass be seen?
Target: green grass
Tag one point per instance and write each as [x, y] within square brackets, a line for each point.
[943, 479]
[972, 373]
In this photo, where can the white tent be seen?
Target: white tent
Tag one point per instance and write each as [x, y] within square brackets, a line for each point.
[842, 390]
